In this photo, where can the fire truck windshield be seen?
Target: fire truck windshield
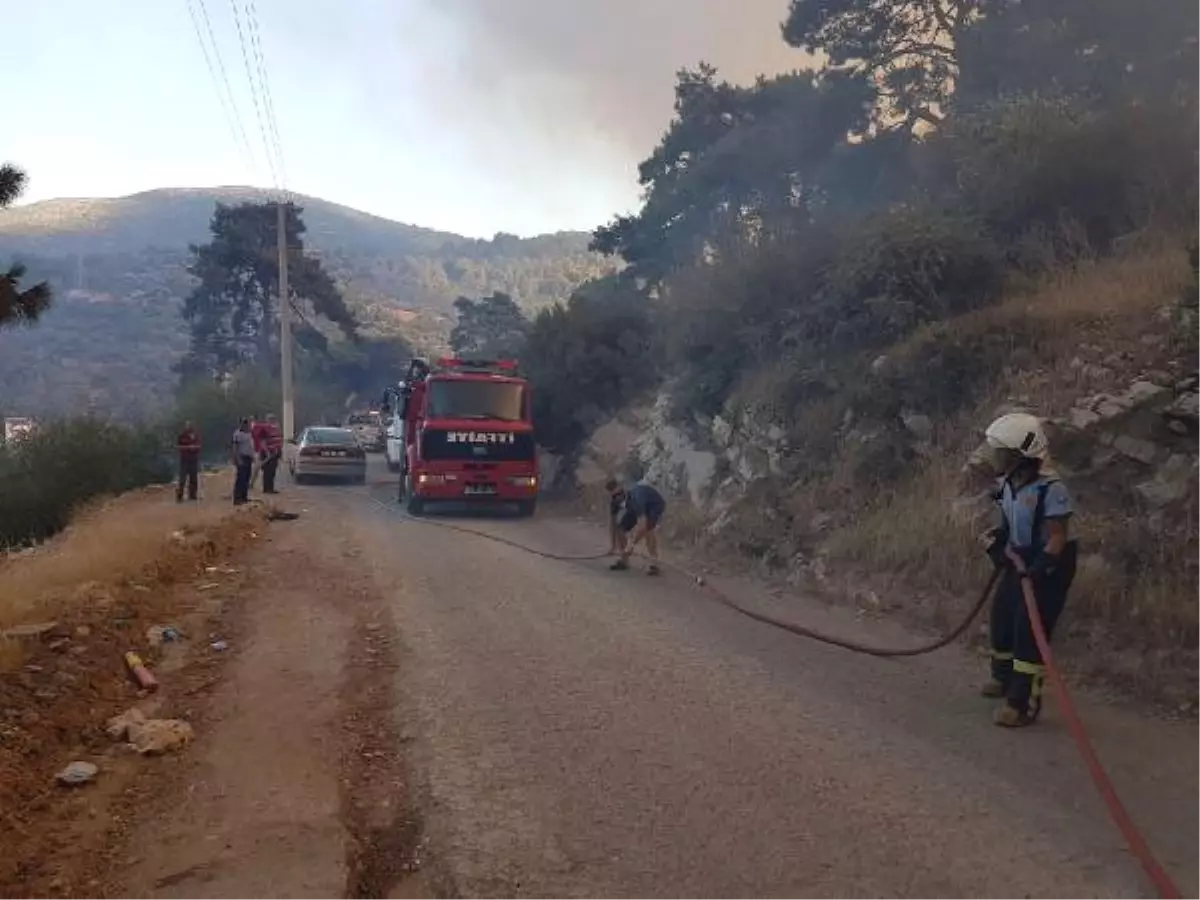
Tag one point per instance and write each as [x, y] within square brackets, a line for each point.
[476, 400]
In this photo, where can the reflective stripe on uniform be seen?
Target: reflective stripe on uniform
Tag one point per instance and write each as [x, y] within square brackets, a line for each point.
[1021, 667]
[1001, 655]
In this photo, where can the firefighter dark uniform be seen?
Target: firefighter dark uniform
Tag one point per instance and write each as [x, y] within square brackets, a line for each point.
[1028, 498]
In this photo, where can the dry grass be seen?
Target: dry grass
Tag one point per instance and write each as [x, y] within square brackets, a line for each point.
[1133, 284]
[1101, 294]
[111, 545]
[919, 532]
[1132, 580]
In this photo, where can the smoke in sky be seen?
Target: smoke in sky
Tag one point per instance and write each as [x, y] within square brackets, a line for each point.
[579, 84]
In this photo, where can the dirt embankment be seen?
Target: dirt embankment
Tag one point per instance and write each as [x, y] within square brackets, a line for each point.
[279, 665]
[69, 612]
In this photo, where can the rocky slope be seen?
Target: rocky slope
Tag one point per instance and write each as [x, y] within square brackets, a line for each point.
[1121, 408]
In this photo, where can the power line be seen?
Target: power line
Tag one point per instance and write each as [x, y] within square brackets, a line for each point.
[240, 131]
[265, 83]
[212, 74]
[254, 93]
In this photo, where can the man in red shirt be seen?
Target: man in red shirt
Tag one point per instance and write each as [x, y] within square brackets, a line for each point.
[268, 444]
[188, 445]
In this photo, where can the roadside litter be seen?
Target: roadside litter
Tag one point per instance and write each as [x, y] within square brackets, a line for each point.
[142, 675]
[157, 635]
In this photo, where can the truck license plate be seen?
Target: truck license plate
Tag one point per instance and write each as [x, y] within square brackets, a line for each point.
[477, 489]
[333, 452]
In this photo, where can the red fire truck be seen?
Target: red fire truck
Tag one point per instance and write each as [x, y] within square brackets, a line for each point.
[467, 433]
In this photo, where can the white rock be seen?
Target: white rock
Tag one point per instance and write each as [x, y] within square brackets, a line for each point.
[76, 773]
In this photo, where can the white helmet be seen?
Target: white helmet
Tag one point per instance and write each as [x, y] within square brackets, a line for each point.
[1020, 432]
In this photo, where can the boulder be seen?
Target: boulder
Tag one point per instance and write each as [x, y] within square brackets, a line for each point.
[918, 425]
[1185, 409]
[1143, 391]
[1173, 481]
[722, 431]
[1135, 448]
[1082, 419]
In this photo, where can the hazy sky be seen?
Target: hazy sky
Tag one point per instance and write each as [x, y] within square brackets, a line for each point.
[469, 115]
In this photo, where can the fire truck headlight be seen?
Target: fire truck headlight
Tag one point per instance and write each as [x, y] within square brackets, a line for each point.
[524, 481]
[431, 479]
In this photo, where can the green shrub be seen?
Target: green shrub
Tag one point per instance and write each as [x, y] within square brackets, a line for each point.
[587, 359]
[47, 475]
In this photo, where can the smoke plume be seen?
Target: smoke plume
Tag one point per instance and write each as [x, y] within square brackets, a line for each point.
[582, 85]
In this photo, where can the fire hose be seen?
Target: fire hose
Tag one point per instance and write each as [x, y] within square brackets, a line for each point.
[1158, 876]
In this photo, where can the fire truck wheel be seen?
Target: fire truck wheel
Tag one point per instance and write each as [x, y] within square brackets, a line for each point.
[415, 505]
[526, 508]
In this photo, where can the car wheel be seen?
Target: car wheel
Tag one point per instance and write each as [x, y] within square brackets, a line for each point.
[526, 508]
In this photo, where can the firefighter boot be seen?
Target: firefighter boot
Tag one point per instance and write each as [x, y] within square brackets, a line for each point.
[1008, 716]
[619, 566]
[652, 569]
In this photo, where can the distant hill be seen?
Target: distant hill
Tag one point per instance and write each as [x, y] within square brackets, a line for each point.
[117, 266]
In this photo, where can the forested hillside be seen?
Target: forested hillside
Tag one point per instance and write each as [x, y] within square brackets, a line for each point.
[117, 268]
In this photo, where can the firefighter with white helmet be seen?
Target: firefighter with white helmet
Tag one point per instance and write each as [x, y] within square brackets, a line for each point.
[1032, 543]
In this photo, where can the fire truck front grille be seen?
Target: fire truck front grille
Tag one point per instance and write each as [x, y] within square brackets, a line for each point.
[479, 446]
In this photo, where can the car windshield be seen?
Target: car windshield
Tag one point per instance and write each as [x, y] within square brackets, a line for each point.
[476, 400]
[329, 436]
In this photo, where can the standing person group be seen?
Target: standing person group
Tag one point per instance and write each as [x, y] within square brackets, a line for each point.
[257, 445]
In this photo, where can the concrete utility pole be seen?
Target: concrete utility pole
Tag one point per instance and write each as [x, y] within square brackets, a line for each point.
[285, 329]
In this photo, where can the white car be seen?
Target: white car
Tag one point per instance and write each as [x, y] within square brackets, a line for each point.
[328, 452]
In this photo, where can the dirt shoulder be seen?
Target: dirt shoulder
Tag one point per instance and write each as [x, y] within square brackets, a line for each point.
[293, 783]
[295, 786]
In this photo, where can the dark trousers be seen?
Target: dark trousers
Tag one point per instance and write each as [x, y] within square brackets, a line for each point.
[189, 474]
[1016, 660]
[241, 482]
[270, 466]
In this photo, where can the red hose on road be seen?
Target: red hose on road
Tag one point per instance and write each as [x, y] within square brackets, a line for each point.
[1108, 792]
[1158, 876]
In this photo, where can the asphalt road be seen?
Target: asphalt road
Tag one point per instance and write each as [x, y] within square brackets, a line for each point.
[577, 732]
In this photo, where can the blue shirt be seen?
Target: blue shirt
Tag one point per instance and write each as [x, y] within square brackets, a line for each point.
[639, 499]
[1019, 508]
